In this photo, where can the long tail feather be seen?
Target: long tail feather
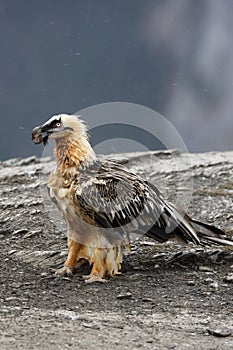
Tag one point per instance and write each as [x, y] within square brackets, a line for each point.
[209, 234]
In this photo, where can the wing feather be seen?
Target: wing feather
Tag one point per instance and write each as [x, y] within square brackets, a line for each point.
[111, 194]
[114, 197]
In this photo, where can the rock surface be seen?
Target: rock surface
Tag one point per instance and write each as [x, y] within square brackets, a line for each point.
[168, 296]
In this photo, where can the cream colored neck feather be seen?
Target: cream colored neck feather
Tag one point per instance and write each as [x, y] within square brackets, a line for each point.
[70, 152]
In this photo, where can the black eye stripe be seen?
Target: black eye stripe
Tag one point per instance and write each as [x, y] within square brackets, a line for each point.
[54, 123]
[50, 126]
[45, 128]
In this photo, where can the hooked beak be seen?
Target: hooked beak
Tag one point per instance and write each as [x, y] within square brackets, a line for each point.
[38, 135]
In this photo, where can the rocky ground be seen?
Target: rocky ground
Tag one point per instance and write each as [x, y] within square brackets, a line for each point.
[168, 296]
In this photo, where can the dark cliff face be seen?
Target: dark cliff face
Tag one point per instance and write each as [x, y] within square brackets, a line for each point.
[156, 278]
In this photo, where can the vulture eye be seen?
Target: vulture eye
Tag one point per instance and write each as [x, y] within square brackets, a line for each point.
[58, 124]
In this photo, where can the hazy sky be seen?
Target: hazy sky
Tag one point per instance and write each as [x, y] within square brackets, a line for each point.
[175, 56]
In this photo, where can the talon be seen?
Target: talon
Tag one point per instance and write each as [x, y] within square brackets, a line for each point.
[64, 271]
[94, 278]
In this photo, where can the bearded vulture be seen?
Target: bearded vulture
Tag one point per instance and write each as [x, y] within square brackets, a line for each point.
[106, 206]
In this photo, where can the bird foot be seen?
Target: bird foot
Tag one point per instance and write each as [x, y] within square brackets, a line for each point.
[64, 271]
[94, 278]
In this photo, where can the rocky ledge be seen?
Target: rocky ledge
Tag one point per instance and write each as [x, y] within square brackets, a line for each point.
[149, 300]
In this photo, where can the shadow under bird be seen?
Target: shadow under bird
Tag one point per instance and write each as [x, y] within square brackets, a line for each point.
[106, 206]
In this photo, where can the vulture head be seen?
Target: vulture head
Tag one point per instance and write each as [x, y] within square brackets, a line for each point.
[57, 127]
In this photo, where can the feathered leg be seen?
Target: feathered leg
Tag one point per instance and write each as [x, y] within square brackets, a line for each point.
[106, 262]
[98, 269]
[71, 261]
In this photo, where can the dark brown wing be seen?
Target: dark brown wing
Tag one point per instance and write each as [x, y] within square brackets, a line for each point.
[110, 194]
[113, 197]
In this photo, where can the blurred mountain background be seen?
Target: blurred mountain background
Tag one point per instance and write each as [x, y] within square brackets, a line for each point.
[174, 56]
